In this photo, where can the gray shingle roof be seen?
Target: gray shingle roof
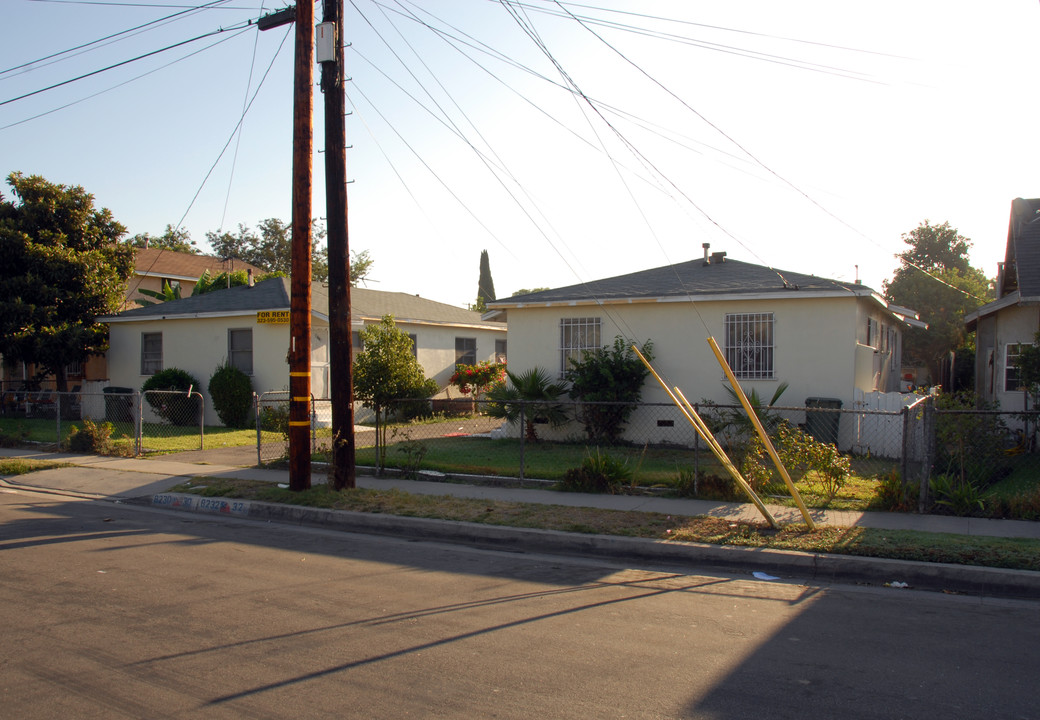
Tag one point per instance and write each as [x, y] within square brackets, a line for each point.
[693, 278]
[274, 294]
[1022, 256]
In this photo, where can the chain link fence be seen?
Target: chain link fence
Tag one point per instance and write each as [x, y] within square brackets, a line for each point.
[929, 450]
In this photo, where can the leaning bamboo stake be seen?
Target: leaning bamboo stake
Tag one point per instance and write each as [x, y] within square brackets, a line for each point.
[762, 433]
[702, 429]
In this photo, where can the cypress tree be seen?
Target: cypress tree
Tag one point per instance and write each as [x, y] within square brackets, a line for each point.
[485, 286]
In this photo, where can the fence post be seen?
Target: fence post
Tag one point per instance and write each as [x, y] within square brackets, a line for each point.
[57, 409]
[696, 453]
[523, 433]
[904, 457]
[139, 423]
[256, 417]
[202, 422]
[929, 453]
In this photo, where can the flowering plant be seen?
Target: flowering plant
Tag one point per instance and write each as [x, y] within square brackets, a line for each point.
[479, 378]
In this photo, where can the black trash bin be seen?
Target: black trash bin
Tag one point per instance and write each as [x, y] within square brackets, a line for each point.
[119, 404]
[822, 423]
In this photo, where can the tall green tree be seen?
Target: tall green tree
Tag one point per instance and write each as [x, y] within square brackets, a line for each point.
[386, 371]
[176, 240]
[270, 248]
[936, 278]
[63, 265]
[485, 284]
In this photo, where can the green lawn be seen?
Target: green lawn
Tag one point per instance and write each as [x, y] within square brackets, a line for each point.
[158, 438]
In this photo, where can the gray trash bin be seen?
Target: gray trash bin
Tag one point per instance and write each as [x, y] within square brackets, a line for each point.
[822, 423]
[119, 404]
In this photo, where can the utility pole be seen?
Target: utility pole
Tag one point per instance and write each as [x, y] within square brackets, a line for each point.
[340, 345]
[300, 282]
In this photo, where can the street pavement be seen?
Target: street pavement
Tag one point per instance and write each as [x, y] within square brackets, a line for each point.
[147, 480]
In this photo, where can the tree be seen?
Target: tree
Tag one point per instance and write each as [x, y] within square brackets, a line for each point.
[525, 291]
[936, 279]
[271, 250]
[386, 371]
[608, 382]
[532, 395]
[63, 265]
[176, 240]
[485, 285]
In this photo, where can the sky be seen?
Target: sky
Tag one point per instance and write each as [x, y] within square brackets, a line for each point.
[572, 141]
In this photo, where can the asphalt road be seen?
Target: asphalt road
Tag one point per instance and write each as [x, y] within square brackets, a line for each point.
[112, 611]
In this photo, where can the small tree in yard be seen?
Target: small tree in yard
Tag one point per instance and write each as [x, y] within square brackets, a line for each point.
[532, 395]
[609, 381]
[386, 372]
[232, 394]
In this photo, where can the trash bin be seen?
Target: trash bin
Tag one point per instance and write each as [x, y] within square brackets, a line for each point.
[119, 404]
[822, 423]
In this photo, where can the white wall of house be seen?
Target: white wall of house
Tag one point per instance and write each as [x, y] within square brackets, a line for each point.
[820, 350]
[199, 346]
[997, 336]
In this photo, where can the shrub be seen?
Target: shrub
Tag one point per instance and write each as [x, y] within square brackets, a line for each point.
[955, 495]
[94, 438]
[176, 409]
[232, 394]
[608, 382]
[895, 495]
[599, 473]
[275, 418]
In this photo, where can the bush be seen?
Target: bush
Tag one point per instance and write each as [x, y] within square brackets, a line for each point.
[94, 438]
[599, 473]
[176, 409]
[232, 394]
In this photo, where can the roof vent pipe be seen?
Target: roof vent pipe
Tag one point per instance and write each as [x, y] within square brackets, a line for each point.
[249, 274]
[706, 246]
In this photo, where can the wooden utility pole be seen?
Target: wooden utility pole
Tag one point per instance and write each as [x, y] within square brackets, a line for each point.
[300, 284]
[340, 345]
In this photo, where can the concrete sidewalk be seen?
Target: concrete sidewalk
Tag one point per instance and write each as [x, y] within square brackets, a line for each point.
[146, 481]
[124, 478]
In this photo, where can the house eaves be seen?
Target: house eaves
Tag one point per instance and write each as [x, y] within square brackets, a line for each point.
[1010, 300]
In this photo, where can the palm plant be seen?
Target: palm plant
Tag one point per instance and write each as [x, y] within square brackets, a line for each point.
[532, 395]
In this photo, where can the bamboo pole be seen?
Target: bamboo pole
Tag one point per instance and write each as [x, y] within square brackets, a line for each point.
[762, 433]
[702, 429]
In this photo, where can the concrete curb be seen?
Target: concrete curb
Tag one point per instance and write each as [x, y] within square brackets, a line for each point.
[815, 567]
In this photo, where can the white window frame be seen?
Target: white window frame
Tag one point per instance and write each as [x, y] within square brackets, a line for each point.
[151, 359]
[749, 346]
[1011, 353]
[576, 336]
[240, 357]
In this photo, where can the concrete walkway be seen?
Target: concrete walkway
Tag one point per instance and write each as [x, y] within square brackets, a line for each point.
[147, 481]
[124, 478]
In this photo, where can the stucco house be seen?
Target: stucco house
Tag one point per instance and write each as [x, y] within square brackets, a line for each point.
[825, 338]
[1004, 325]
[249, 326]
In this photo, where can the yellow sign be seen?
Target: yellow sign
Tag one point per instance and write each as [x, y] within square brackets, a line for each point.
[272, 317]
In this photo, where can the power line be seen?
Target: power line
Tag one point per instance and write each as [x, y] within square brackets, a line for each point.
[119, 64]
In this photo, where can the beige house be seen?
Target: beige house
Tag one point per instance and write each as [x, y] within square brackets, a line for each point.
[1002, 327]
[249, 327]
[154, 267]
[828, 340]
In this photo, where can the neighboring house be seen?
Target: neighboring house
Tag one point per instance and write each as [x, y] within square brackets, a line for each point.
[1003, 326]
[155, 266]
[825, 338]
[249, 326]
[152, 268]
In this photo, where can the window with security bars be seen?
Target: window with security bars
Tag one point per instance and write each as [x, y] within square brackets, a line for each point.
[240, 349]
[576, 336]
[749, 345]
[151, 353]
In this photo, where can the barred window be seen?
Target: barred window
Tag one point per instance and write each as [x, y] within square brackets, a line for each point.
[240, 349]
[577, 335]
[749, 345]
[151, 353]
